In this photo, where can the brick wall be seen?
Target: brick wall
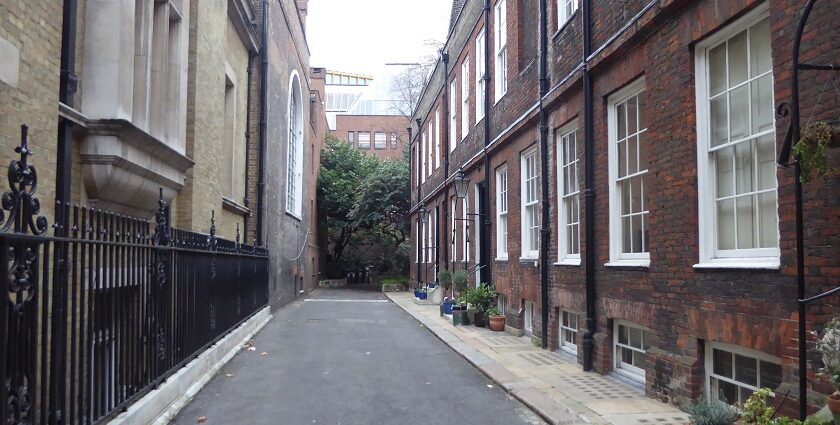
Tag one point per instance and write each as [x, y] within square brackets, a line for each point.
[684, 308]
[388, 124]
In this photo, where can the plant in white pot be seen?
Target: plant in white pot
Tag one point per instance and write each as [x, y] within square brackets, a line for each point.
[828, 346]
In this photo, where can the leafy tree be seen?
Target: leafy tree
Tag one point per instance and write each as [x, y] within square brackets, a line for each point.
[364, 204]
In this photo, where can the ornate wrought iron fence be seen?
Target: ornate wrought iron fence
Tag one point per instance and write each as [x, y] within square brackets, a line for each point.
[107, 307]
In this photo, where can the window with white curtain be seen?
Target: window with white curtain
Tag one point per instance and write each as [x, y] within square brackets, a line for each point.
[453, 115]
[380, 140]
[437, 137]
[737, 183]
[364, 140]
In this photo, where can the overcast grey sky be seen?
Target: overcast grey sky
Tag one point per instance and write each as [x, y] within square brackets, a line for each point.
[362, 35]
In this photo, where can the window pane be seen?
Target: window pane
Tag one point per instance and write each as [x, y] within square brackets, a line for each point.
[627, 234]
[738, 59]
[771, 375]
[622, 159]
[719, 126]
[766, 153]
[725, 183]
[743, 168]
[635, 337]
[739, 113]
[726, 224]
[631, 116]
[641, 111]
[717, 69]
[746, 370]
[727, 392]
[722, 363]
[643, 151]
[746, 227]
[626, 355]
[638, 359]
[760, 55]
[636, 194]
[745, 393]
[768, 220]
[625, 196]
[622, 121]
[622, 334]
[637, 233]
[632, 156]
[761, 97]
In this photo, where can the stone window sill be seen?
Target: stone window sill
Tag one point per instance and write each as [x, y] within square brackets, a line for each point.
[235, 207]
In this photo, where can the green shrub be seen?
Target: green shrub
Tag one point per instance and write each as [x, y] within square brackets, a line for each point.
[402, 280]
[756, 411]
[712, 412]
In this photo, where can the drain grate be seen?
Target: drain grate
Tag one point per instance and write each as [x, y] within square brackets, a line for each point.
[502, 341]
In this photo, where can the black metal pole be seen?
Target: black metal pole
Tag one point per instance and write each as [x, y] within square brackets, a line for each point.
[589, 190]
[446, 141]
[263, 123]
[545, 227]
[421, 229]
[245, 200]
[485, 249]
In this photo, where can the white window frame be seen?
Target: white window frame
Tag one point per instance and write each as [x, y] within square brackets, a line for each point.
[434, 156]
[368, 141]
[479, 76]
[564, 328]
[437, 137]
[477, 226]
[742, 351]
[294, 154]
[524, 218]
[501, 303]
[453, 243]
[625, 369]
[502, 208]
[453, 115]
[563, 14]
[423, 155]
[528, 322]
[465, 97]
[562, 137]
[501, 61]
[617, 257]
[710, 256]
[380, 136]
[465, 246]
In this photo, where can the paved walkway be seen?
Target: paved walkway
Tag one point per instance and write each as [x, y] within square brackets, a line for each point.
[349, 357]
[557, 388]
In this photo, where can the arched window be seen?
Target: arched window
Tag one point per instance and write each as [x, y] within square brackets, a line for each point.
[294, 185]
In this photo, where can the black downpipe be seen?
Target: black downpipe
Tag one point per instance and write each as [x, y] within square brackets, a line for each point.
[66, 90]
[445, 58]
[588, 191]
[263, 123]
[545, 227]
[246, 201]
[486, 207]
[420, 238]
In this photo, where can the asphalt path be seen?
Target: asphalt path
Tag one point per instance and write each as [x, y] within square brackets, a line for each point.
[344, 357]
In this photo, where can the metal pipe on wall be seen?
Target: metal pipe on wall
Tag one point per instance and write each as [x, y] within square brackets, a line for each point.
[246, 201]
[485, 249]
[589, 190]
[545, 227]
[263, 123]
[445, 59]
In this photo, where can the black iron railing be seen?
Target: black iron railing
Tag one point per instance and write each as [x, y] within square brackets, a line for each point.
[108, 306]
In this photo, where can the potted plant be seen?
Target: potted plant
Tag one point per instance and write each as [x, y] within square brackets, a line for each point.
[480, 298]
[459, 312]
[444, 278]
[712, 412]
[459, 280]
[497, 319]
[421, 293]
[828, 346]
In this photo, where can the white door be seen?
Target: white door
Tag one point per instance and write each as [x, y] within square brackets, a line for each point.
[529, 316]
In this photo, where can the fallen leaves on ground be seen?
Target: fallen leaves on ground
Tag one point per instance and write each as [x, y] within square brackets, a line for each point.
[201, 420]
[264, 353]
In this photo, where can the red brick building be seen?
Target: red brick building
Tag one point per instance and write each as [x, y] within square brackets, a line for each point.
[384, 136]
[648, 231]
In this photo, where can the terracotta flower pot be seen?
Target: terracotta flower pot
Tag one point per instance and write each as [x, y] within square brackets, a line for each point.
[497, 323]
[834, 403]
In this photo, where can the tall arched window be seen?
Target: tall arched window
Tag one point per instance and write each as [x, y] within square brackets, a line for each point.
[294, 185]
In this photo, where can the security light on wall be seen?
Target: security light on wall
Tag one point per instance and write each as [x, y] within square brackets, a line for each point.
[461, 184]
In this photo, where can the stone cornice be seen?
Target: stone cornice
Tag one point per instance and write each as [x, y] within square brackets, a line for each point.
[241, 14]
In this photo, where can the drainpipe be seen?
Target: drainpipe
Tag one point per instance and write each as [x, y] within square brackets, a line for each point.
[63, 177]
[420, 238]
[545, 228]
[486, 210]
[589, 190]
[246, 201]
[263, 123]
[445, 58]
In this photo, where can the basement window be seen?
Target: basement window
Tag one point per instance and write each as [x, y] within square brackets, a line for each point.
[631, 344]
[569, 323]
[734, 372]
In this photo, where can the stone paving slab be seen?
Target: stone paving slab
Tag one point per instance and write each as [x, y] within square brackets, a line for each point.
[551, 384]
